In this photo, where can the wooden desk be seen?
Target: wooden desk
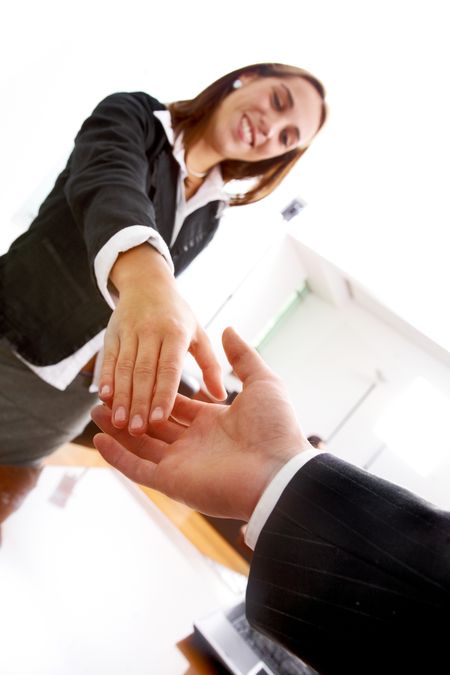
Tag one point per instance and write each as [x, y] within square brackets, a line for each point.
[199, 662]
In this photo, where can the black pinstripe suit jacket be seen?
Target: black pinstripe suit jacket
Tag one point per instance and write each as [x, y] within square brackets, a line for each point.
[352, 573]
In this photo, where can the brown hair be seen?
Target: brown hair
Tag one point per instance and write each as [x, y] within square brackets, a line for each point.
[191, 117]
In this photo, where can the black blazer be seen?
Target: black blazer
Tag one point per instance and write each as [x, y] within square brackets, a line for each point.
[120, 173]
[352, 574]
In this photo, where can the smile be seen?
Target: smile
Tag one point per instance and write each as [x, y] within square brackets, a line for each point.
[246, 131]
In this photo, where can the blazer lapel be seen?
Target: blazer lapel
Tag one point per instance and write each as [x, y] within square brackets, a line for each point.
[163, 193]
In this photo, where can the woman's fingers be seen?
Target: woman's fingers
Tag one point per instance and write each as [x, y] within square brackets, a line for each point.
[203, 353]
[123, 381]
[152, 446]
[138, 445]
[110, 352]
[144, 377]
[141, 371]
[170, 364]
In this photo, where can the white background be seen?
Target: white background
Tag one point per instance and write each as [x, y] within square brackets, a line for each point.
[376, 181]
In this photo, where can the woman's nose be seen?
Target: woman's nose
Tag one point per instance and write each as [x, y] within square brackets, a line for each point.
[266, 127]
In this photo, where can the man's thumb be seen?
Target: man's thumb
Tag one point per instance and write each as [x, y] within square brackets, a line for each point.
[245, 361]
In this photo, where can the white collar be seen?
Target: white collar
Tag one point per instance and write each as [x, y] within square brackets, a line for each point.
[213, 181]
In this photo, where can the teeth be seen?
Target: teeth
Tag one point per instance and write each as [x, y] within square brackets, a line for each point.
[247, 131]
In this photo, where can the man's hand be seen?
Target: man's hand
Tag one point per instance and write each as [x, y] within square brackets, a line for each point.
[217, 459]
[146, 342]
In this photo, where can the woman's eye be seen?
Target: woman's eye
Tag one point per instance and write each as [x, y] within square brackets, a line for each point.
[277, 104]
[284, 136]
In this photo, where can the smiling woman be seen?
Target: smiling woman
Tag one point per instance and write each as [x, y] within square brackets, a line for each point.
[120, 222]
[256, 121]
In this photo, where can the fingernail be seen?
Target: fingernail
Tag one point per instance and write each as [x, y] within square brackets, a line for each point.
[105, 390]
[157, 414]
[120, 415]
[137, 422]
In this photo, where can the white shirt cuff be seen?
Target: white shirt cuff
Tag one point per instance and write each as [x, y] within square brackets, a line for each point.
[273, 492]
[129, 237]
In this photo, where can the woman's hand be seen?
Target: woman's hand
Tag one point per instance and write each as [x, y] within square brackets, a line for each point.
[146, 341]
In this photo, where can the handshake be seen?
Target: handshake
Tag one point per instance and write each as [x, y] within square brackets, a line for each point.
[215, 458]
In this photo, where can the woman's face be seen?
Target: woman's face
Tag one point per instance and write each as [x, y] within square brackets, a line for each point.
[264, 118]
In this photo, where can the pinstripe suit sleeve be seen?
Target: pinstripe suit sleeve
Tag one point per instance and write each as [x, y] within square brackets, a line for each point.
[352, 573]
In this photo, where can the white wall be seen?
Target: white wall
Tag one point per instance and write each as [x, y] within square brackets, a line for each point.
[345, 358]
[376, 180]
[244, 276]
[329, 357]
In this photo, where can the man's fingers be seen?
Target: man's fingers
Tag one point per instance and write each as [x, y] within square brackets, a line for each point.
[186, 409]
[245, 360]
[168, 431]
[203, 353]
[151, 448]
[139, 470]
